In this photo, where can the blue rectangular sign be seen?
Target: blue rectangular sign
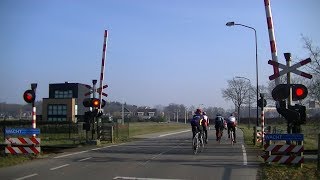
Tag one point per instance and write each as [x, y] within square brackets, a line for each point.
[21, 131]
[286, 137]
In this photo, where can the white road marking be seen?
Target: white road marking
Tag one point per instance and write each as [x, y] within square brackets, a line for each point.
[59, 167]
[136, 178]
[25, 177]
[173, 133]
[95, 149]
[69, 154]
[244, 153]
[84, 159]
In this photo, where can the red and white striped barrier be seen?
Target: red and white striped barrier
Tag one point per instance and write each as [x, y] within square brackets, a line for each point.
[283, 154]
[22, 145]
[284, 159]
[22, 150]
[284, 148]
[23, 141]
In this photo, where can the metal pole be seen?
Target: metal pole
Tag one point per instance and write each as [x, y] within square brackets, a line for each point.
[94, 82]
[123, 113]
[185, 115]
[262, 120]
[289, 100]
[249, 109]
[257, 73]
[34, 109]
[177, 115]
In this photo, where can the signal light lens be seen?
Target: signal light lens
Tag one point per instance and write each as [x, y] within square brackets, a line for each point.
[95, 102]
[29, 96]
[299, 91]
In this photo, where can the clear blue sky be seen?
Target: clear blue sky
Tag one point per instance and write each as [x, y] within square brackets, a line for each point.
[159, 51]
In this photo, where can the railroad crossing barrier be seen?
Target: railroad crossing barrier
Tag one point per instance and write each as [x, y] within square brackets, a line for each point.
[22, 145]
[284, 153]
[257, 134]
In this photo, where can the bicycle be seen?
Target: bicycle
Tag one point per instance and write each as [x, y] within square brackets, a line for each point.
[232, 136]
[197, 143]
[220, 134]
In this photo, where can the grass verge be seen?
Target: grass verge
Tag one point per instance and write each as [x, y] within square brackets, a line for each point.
[279, 171]
[62, 140]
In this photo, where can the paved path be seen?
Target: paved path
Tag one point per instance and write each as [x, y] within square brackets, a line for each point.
[156, 156]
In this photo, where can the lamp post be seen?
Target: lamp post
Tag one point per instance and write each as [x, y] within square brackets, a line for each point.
[249, 97]
[256, 44]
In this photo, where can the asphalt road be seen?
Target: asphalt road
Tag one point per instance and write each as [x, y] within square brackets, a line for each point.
[157, 156]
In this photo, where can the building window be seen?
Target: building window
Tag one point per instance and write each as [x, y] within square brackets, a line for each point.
[57, 119]
[151, 114]
[63, 94]
[57, 112]
[140, 113]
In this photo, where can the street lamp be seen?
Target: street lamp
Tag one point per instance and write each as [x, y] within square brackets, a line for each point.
[249, 97]
[257, 79]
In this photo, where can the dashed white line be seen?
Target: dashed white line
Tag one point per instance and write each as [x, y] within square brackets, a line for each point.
[244, 153]
[25, 177]
[69, 154]
[84, 159]
[59, 167]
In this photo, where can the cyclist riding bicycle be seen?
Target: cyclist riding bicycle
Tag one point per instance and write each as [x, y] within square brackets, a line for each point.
[219, 125]
[232, 124]
[196, 122]
[205, 125]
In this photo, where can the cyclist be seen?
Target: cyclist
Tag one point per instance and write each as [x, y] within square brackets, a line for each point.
[205, 125]
[232, 124]
[219, 125]
[196, 122]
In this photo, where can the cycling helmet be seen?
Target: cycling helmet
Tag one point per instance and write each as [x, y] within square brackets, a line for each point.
[198, 111]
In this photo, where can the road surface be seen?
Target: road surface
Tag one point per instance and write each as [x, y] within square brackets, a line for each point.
[155, 157]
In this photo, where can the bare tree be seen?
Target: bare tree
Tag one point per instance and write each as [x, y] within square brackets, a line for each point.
[237, 91]
[314, 52]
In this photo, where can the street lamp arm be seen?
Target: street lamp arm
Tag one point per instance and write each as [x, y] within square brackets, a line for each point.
[246, 26]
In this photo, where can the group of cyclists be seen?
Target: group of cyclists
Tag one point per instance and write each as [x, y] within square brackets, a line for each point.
[200, 123]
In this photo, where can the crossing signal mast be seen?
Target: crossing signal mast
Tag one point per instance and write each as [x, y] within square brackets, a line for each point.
[96, 104]
[29, 97]
[294, 114]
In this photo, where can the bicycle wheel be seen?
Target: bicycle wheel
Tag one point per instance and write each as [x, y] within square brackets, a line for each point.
[219, 136]
[201, 143]
[205, 138]
[231, 137]
[195, 144]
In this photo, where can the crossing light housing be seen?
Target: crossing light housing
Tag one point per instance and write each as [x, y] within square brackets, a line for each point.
[282, 91]
[299, 91]
[93, 102]
[29, 96]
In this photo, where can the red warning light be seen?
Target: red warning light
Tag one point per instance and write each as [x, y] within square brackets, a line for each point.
[29, 96]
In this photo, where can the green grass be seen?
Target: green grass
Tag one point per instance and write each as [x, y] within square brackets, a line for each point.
[10, 160]
[146, 128]
[281, 172]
